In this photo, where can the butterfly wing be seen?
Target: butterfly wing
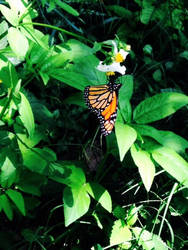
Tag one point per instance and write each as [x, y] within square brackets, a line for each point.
[103, 101]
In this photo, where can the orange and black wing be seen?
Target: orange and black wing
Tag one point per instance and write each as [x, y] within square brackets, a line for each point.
[103, 101]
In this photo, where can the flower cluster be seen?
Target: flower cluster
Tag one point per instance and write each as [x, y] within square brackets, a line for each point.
[115, 66]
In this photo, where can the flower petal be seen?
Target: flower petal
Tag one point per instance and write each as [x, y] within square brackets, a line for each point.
[123, 53]
[114, 67]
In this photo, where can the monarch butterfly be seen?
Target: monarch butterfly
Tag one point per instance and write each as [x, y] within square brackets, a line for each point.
[103, 101]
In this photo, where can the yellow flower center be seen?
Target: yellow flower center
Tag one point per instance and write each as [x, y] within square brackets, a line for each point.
[119, 58]
[110, 73]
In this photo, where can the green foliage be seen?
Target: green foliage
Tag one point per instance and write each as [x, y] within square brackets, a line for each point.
[145, 166]
[148, 240]
[51, 156]
[168, 103]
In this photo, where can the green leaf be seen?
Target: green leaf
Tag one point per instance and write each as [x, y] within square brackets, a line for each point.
[45, 77]
[10, 15]
[67, 173]
[76, 203]
[148, 240]
[80, 74]
[18, 42]
[132, 215]
[157, 75]
[120, 234]
[35, 161]
[173, 163]
[3, 34]
[119, 212]
[30, 141]
[67, 8]
[26, 115]
[18, 6]
[7, 173]
[125, 136]
[120, 11]
[100, 194]
[146, 14]
[145, 166]
[30, 182]
[74, 50]
[148, 49]
[8, 74]
[125, 95]
[158, 107]
[5, 204]
[184, 54]
[17, 199]
[76, 99]
[166, 138]
[97, 247]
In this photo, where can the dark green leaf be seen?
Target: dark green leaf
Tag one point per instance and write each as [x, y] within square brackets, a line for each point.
[67, 8]
[6, 206]
[17, 199]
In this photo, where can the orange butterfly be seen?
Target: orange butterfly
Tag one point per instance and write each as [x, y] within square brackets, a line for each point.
[103, 101]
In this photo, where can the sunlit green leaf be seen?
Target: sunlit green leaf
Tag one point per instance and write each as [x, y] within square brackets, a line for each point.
[173, 163]
[145, 166]
[18, 42]
[7, 173]
[17, 199]
[10, 15]
[132, 215]
[3, 34]
[120, 233]
[166, 138]
[76, 203]
[125, 136]
[66, 172]
[148, 240]
[125, 95]
[159, 106]
[100, 194]
[26, 115]
[35, 160]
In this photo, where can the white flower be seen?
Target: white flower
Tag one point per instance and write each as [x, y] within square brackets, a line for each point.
[114, 67]
[120, 55]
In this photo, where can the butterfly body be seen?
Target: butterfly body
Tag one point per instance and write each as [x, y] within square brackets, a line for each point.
[103, 101]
